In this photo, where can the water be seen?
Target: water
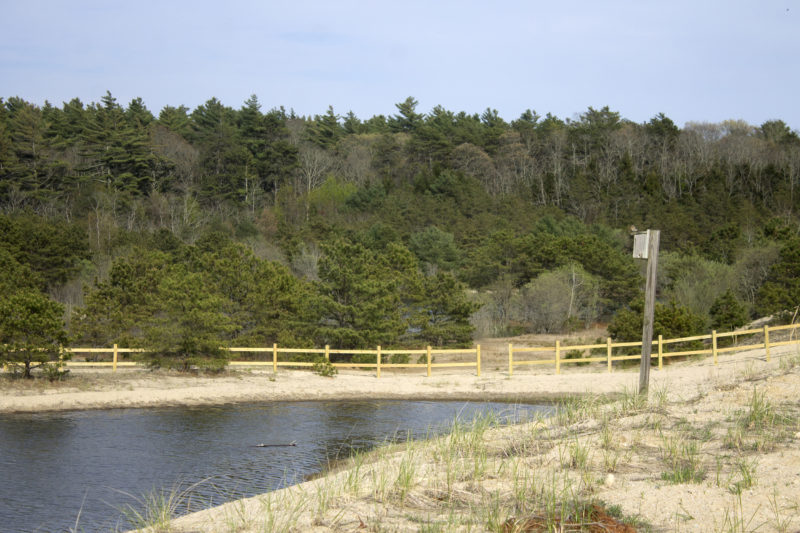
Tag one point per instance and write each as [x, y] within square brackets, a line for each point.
[54, 466]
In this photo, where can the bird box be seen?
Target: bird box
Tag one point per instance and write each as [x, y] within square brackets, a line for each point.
[641, 242]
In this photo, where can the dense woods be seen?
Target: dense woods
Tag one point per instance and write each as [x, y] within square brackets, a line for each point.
[198, 228]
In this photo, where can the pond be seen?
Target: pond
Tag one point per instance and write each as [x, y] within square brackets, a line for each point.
[57, 466]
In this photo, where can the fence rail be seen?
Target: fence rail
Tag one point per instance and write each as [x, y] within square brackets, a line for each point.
[597, 353]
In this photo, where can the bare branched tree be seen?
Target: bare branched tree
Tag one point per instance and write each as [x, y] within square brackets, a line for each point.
[315, 164]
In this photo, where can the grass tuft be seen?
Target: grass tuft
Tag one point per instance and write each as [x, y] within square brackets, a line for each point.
[156, 509]
[682, 460]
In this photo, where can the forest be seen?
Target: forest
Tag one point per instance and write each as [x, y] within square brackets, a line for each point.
[218, 226]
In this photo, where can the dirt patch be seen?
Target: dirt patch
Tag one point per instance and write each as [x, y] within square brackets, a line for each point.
[594, 519]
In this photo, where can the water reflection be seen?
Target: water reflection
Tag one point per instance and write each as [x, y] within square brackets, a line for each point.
[53, 466]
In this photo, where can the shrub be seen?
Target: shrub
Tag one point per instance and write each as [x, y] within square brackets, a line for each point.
[728, 313]
[55, 371]
[364, 358]
[671, 321]
[400, 359]
[323, 367]
[423, 359]
[303, 357]
[575, 354]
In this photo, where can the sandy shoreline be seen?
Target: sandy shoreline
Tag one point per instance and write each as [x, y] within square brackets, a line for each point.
[620, 453]
[136, 388]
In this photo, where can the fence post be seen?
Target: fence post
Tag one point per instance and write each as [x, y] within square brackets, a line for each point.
[510, 360]
[275, 358]
[766, 341]
[428, 354]
[478, 358]
[608, 352]
[558, 357]
[379, 362]
[714, 344]
[660, 352]
[328, 353]
[116, 351]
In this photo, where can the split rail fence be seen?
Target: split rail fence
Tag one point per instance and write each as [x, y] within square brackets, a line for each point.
[562, 354]
[710, 347]
[274, 361]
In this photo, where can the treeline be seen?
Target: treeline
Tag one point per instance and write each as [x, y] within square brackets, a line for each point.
[264, 226]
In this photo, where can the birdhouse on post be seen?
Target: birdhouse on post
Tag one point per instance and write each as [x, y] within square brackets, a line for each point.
[645, 246]
[641, 240]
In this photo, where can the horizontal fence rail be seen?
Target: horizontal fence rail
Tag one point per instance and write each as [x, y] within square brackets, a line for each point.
[557, 355]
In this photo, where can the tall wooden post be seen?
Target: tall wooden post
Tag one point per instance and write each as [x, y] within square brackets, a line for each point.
[428, 357]
[608, 352]
[766, 341]
[478, 359]
[378, 373]
[275, 358]
[510, 360]
[116, 353]
[649, 308]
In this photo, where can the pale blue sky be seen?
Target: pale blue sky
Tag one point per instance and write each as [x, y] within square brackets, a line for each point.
[692, 60]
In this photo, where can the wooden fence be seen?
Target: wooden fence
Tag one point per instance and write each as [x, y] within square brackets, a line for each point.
[607, 352]
[275, 362]
[710, 347]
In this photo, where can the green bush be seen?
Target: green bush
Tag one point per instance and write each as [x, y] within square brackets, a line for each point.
[781, 290]
[728, 313]
[304, 357]
[323, 367]
[364, 358]
[211, 361]
[423, 359]
[575, 354]
[55, 371]
[399, 359]
[671, 320]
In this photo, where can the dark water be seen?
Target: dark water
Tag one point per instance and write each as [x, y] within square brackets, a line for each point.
[54, 466]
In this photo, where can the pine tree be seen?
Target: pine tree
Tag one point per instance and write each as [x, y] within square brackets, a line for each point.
[223, 158]
[118, 150]
[408, 120]
[176, 119]
[272, 157]
[26, 129]
[8, 159]
[31, 330]
[727, 313]
[325, 130]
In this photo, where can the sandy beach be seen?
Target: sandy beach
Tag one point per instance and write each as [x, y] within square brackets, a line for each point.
[126, 388]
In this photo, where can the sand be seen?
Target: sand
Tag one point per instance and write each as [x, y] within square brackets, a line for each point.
[126, 388]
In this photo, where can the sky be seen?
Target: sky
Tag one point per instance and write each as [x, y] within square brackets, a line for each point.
[700, 61]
